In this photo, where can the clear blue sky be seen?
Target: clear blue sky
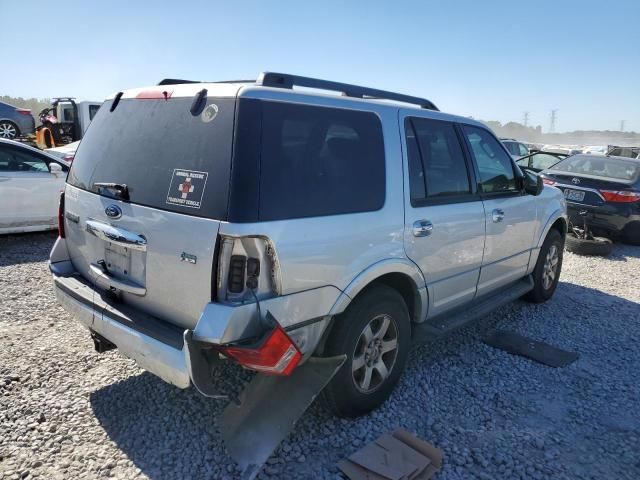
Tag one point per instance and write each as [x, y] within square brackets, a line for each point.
[490, 60]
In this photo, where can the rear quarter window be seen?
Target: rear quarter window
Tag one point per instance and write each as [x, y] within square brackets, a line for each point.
[318, 161]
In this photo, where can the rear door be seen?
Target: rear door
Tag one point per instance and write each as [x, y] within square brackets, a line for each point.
[444, 216]
[147, 191]
[510, 214]
[29, 192]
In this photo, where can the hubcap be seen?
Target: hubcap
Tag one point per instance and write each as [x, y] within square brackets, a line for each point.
[550, 267]
[7, 130]
[375, 353]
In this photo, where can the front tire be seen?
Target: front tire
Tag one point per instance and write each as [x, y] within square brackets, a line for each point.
[375, 335]
[548, 267]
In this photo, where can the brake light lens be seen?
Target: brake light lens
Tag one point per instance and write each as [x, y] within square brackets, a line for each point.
[61, 216]
[23, 111]
[68, 157]
[548, 181]
[622, 196]
[278, 354]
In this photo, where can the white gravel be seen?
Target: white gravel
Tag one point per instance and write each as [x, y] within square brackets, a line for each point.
[68, 412]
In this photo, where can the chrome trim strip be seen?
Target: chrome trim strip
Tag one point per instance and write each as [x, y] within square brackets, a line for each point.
[117, 235]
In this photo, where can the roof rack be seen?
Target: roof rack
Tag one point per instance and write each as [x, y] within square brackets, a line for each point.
[175, 81]
[284, 80]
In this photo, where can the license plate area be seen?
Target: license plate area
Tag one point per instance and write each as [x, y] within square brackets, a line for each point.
[124, 263]
[574, 195]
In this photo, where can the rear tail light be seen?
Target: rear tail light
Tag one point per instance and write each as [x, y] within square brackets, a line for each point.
[622, 196]
[23, 111]
[548, 181]
[61, 216]
[68, 157]
[276, 355]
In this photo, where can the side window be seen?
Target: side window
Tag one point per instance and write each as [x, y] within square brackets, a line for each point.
[12, 160]
[319, 161]
[494, 164]
[436, 163]
[511, 147]
[523, 150]
[93, 109]
[543, 161]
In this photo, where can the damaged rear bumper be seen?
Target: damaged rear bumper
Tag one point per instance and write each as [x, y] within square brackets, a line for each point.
[181, 356]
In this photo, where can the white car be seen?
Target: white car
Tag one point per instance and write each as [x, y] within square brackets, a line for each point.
[30, 186]
[65, 152]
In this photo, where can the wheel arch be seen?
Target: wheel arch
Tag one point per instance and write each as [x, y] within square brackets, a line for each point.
[401, 275]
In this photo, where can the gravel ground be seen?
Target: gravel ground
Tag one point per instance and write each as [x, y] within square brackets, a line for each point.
[67, 412]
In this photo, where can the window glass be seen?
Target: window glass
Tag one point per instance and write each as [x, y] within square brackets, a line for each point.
[511, 147]
[494, 164]
[12, 160]
[600, 166]
[417, 184]
[542, 161]
[168, 158]
[319, 161]
[93, 109]
[523, 150]
[442, 160]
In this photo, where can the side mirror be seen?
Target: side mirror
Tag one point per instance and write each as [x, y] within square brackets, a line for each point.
[55, 168]
[533, 184]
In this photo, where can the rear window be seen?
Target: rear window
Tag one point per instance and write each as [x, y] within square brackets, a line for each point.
[600, 166]
[319, 161]
[168, 158]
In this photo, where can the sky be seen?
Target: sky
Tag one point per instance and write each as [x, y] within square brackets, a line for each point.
[491, 60]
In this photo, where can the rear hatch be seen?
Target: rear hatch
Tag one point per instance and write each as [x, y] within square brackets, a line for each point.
[145, 197]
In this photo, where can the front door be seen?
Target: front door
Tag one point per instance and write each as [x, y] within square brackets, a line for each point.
[28, 191]
[510, 213]
[444, 215]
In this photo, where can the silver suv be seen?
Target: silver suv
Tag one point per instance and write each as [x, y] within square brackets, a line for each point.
[263, 224]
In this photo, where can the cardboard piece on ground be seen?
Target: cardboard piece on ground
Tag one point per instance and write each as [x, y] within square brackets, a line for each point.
[395, 456]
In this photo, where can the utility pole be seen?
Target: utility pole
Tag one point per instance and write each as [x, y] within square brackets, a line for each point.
[622, 125]
[526, 119]
[554, 117]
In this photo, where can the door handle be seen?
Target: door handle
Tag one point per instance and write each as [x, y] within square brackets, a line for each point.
[422, 228]
[497, 215]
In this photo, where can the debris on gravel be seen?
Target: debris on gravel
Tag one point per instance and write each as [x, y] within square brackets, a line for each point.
[68, 412]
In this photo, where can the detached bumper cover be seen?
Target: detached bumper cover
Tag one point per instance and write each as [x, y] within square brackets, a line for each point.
[178, 356]
[611, 217]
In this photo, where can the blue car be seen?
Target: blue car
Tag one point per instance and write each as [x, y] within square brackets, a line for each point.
[15, 121]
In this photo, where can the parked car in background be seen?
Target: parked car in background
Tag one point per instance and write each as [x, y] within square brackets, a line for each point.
[629, 152]
[30, 186]
[564, 149]
[15, 122]
[539, 161]
[606, 188]
[595, 150]
[65, 152]
[515, 148]
[186, 219]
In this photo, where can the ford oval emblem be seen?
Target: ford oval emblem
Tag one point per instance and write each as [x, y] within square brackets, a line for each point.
[113, 211]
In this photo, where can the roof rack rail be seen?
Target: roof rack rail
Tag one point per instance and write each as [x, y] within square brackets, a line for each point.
[284, 80]
[176, 81]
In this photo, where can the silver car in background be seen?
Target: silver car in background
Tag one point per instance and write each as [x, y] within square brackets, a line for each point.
[260, 224]
[15, 122]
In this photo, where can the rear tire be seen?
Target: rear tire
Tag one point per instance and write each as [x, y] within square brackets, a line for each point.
[375, 335]
[9, 130]
[597, 246]
[548, 267]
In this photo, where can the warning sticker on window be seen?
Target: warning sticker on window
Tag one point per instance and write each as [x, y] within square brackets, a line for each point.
[187, 188]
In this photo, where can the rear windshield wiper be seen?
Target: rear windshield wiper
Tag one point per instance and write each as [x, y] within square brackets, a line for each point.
[122, 192]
